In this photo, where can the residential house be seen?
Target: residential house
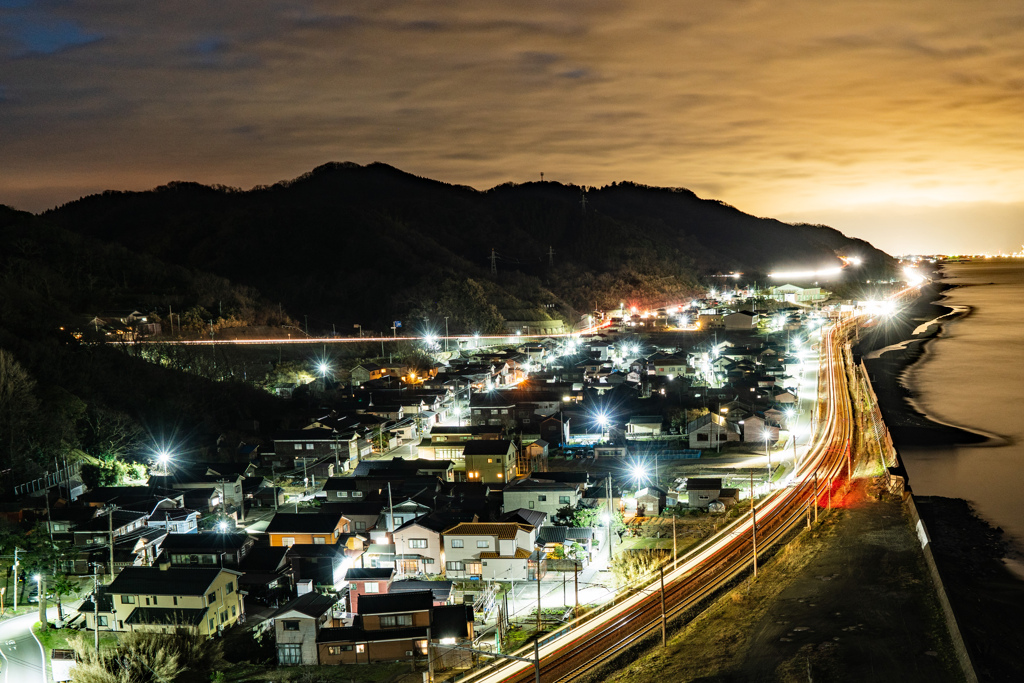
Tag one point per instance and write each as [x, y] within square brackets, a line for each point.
[740, 320]
[343, 490]
[322, 565]
[419, 542]
[650, 501]
[363, 516]
[758, 430]
[491, 462]
[367, 581]
[366, 372]
[493, 408]
[700, 491]
[496, 550]
[708, 431]
[533, 458]
[266, 575]
[287, 529]
[543, 495]
[175, 520]
[162, 599]
[297, 625]
[392, 628]
[441, 590]
[209, 549]
[562, 540]
[644, 425]
[314, 444]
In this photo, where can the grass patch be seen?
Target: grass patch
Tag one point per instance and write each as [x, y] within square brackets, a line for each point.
[57, 638]
[364, 673]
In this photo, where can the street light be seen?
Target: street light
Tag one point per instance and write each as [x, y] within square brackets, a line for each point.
[222, 527]
[163, 459]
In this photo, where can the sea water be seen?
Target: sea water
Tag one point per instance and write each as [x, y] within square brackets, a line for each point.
[972, 376]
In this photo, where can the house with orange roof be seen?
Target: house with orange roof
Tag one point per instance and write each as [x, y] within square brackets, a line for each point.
[492, 550]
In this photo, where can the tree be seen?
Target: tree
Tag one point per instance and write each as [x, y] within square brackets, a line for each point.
[61, 585]
[587, 517]
[18, 403]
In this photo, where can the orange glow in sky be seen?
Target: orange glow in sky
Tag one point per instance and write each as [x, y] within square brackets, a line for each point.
[894, 121]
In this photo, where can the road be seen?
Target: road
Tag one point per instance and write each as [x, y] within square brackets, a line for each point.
[22, 654]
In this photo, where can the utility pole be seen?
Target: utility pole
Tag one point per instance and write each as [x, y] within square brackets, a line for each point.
[815, 496]
[551, 256]
[96, 603]
[430, 659]
[391, 514]
[611, 517]
[494, 257]
[538, 597]
[110, 519]
[536, 660]
[16, 565]
[753, 522]
[273, 483]
[576, 584]
[446, 333]
[664, 626]
[675, 548]
[241, 504]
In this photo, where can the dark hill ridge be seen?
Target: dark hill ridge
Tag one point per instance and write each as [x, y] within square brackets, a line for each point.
[350, 243]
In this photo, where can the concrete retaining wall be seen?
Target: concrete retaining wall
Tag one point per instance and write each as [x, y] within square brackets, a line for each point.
[959, 647]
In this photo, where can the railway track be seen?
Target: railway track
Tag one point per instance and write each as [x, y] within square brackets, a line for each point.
[587, 644]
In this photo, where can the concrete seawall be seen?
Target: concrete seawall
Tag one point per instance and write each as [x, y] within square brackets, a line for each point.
[897, 482]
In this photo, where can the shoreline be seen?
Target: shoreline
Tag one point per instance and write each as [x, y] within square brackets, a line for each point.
[891, 350]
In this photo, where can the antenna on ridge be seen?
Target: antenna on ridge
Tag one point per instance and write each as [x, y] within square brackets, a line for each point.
[542, 176]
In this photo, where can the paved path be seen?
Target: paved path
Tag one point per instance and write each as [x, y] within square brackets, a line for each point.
[22, 654]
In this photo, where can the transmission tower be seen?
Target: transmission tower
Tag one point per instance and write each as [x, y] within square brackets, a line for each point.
[551, 256]
[583, 201]
[494, 261]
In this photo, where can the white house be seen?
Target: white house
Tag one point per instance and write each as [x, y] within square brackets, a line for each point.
[740, 320]
[539, 494]
[710, 430]
[496, 550]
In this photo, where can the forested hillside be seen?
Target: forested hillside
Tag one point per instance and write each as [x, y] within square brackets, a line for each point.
[320, 242]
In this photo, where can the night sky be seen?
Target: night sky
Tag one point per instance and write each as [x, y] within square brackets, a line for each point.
[899, 121]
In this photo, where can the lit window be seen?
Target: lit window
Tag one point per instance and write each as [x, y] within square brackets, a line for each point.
[373, 587]
[483, 544]
[458, 543]
[417, 543]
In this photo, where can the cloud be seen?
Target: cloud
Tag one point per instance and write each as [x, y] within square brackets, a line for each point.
[26, 37]
[774, 107]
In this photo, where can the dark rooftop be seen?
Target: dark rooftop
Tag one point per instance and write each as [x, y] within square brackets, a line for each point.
[179, 581]
[310, 523]
[413, 601]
